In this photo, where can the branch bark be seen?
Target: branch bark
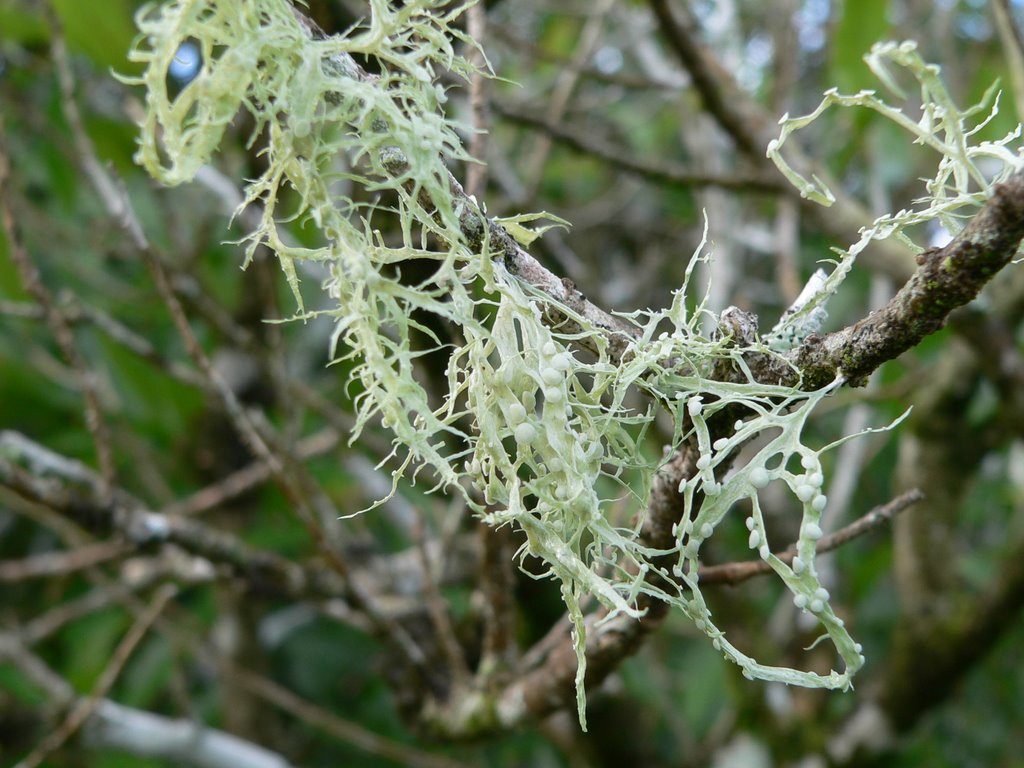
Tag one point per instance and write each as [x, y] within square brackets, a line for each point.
[946, 278]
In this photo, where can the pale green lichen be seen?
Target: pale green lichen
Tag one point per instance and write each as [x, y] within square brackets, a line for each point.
[532, 435]
[964, 178]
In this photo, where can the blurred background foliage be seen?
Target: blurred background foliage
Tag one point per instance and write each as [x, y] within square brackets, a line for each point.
[592, 119]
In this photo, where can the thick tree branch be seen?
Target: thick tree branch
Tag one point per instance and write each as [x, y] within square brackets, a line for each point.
[946, 278]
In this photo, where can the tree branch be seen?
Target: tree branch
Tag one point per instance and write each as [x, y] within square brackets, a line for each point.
[112, 726]
[736, 573]
[946, 278]
[658, 172]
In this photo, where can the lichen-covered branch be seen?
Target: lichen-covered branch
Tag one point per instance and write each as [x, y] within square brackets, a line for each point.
[946, 278]
[526, 431]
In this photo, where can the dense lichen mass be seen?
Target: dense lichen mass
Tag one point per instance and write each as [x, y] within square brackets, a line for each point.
[530, 433]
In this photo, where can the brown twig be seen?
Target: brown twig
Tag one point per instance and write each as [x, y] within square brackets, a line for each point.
[933, 654]
[479, 107]
[561, 94]
[263, 569]
[1013, 41]
[535, 52]
[331, 723]
[659, 172]
[61, 563]
[736, 573]
[497, 583]
[121, 728]
[248, 477]
[85, 707]
[722, 96]
[458, 668]
[58, 324]
[751, 129]
[45, 624]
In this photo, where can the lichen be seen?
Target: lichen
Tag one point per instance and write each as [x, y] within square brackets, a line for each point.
[531, 434]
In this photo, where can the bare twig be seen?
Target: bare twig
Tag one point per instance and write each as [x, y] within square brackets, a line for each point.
[264, 569]
[1013, 42]
[535, 52]
[248, 477]
[659, 172]
[476, 173]
[116, 727]
[61, 563]
[497, 582]
[751, 129]
[458, 668]
[45, 624]
[933, 654]
[33, 284]
[85, 708]
[331, 723]
[561, 94]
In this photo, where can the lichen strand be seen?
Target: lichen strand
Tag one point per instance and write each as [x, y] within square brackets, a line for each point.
[533, 435]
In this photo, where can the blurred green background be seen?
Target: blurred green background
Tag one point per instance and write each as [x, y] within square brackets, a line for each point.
[603, 74]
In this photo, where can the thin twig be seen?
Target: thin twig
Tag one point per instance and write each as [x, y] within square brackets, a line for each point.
[45, 624]
[34, 286]
[735, 573]
[1013, 42]
[84, 708]
[561, 94]
[62, 563]
[751, 129]
[248, 477]
[436, 607]
[124, 729]
[535, 52]
[497, 583]
[345, 730]
[659, 172]
[476, 173]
